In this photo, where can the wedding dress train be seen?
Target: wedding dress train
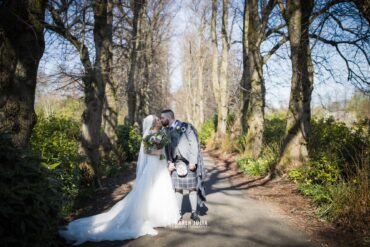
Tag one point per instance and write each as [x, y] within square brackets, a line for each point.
[151, 203]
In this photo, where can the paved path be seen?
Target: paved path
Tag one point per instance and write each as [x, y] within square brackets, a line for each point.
[232, 219]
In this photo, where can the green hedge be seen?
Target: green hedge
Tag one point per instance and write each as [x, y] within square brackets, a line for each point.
[207, 131]
[56, 139]
[337, 176]
[129, 140]
[29, 199]
[332, 142]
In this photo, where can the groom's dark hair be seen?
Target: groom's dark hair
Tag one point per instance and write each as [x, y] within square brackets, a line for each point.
[169, 113]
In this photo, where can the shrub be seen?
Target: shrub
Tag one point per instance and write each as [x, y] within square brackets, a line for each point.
[351, 200]
[319, 193]
[273, 133]
[56, 139]
[253, 167]
[207, 131]
[230, 122]
[29, 200]
[336, 143]
[128, 141]
[316, 172]
[261, 166]
[274, 130]
[337, 177]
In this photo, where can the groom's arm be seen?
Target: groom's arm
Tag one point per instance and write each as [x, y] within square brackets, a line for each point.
[193, 146]
[170, 164]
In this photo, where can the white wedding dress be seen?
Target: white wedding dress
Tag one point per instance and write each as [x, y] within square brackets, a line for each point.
[151, 203]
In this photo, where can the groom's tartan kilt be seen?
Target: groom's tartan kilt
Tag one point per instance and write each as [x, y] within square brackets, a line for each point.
[187, 182]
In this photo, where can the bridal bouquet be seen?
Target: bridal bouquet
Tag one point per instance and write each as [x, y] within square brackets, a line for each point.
[153, 143]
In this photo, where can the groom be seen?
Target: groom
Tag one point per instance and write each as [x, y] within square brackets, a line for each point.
[184, 147]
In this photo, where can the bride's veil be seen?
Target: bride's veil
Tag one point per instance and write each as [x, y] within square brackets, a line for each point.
[141, 161]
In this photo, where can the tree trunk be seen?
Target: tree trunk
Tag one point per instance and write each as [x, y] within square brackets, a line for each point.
[188, 88]
[215, 82]
[131, 91]
[256, 101]
[110, 106]
[21, 48]
[145, 62]
[95, 76]
[200, 89]
[223, 100]
[110, 117]
[202, 48]
[95, 85]
[245, 81]
[294, 150]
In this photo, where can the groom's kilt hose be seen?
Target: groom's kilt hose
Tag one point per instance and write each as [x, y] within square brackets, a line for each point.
[187, 182]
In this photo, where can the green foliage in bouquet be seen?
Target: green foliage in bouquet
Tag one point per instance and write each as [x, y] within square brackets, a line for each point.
[156, 140]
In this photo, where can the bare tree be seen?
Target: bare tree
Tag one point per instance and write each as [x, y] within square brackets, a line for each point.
[245, 82]
[153, 58]
[349, 42]
[223, 82]
[294, 151]
[195, 53]
[215, 79]
[95, 75]
[255, 31]
[138, 7]
[21, 48]
[148, 80]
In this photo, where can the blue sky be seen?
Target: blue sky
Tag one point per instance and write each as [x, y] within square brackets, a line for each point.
[277, 72]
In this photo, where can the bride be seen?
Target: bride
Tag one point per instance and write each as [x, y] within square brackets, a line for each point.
[151, 203]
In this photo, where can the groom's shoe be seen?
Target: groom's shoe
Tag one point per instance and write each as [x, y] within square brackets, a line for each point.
[194, 216]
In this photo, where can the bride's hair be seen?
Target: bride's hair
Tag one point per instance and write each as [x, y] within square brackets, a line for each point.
[155, 118]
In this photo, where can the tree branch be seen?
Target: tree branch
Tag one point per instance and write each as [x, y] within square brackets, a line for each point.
[274, 49]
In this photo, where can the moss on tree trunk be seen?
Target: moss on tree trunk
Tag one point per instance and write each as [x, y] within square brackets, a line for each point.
[21, 48]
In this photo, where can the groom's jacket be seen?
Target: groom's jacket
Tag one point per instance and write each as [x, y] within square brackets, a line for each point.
[183, 144]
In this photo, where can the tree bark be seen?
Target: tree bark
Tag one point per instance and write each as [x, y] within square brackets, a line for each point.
[294, 151]
[21, 48]
[253, 86]
[188, 88]
[215, 82]
[95, 76]
[202, 48]
[103, 36]
[224, 95]
[95, 82]
[255, 83]
[245, 82]
[131, 91]
[144, 61]
[200, 88]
